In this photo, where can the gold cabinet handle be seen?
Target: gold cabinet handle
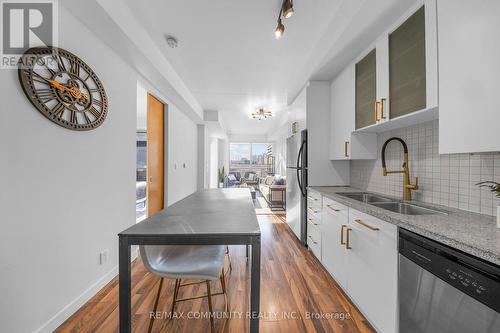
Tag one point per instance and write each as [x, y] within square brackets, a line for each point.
[348, 239]
[375, 110]
[382, 104]
[312, 240]
[333, 209]
[346, 154]
[342, 227]
[311, 198]
[359, 221]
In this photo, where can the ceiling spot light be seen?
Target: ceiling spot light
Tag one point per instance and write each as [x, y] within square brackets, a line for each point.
[287, 8]
[261, 114]
[280, 29]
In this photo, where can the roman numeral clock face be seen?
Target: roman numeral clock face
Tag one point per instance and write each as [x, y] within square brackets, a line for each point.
[63, 88]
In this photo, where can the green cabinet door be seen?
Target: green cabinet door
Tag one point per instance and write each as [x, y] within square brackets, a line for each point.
[366, 90]
[407, 71]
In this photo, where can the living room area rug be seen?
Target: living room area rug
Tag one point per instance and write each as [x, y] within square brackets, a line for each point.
[262, 206]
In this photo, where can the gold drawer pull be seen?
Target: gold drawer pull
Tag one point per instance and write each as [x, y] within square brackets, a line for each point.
[312, 210]
[312, 240]
[311, 198]
[346, 143]
[348, 238]
[366, 225]
[342, 242]
[335, 210]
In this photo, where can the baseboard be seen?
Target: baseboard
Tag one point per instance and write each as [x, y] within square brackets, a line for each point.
[77, 303]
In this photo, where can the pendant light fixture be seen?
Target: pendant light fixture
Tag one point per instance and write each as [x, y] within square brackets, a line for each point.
[286, 12]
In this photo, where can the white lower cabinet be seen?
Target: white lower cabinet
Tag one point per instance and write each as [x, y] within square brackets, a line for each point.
[360, 252]
[334, 222]
[372, 271]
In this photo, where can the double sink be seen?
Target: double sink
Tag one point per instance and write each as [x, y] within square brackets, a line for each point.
[391, 205]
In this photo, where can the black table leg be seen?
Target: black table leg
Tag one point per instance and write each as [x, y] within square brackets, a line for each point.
[246, 246]
[125, 285]
[255, 286]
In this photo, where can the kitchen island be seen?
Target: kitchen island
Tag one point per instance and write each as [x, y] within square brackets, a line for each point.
[209, 217]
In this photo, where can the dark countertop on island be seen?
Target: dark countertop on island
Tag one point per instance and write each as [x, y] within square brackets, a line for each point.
[471, 233]
[215, 211]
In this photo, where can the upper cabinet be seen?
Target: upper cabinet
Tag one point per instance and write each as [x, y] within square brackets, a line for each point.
[344, 143]
[366, 90]
[407, 74]
[315, 99]
[405, 57]
[469, 76]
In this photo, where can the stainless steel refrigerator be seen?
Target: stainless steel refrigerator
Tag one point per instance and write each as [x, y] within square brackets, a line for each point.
[296, 187]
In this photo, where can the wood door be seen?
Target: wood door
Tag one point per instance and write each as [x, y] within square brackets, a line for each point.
[155, 167]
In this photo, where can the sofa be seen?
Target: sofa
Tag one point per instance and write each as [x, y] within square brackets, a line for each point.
[250, 178]
[273, 189]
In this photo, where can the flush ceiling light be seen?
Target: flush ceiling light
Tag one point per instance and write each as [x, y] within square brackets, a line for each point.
[261, 114]
[287, 8]
[280, 29]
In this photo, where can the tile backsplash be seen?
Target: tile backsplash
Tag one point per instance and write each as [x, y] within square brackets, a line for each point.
[447, 180]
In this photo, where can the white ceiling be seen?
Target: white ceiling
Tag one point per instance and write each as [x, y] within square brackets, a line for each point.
[230, 61]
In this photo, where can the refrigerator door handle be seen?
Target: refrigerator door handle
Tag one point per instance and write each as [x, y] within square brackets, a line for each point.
[299, 168]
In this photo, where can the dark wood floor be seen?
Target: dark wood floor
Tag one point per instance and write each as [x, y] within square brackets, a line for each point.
[293, 282]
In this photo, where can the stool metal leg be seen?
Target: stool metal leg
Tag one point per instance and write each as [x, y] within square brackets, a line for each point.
[151, 321]
[209, 295]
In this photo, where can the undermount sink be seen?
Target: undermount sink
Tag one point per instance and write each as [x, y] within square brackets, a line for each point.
[407, 209]
[391, 204]
[366, 197]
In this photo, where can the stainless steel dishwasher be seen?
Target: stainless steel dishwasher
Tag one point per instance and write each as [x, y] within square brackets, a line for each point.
[445, 290]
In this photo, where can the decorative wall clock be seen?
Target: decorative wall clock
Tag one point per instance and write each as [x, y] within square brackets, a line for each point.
[63, 88]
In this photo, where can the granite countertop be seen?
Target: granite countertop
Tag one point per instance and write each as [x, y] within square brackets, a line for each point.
[471, 233]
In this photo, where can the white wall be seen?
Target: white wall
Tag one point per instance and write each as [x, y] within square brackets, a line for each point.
[182, 155]
[66, 194]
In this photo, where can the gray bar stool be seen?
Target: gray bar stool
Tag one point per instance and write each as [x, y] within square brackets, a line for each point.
[187, 262]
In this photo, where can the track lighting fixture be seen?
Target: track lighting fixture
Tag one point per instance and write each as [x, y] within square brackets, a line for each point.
[286, 11]
[280, 29]
[287, 8]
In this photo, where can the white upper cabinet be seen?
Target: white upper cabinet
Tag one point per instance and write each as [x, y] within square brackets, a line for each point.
[469, 75]
[344, 144]
[315, 101]
[406, 71]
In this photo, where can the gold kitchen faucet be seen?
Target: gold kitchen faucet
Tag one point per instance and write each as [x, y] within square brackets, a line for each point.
[407, 186]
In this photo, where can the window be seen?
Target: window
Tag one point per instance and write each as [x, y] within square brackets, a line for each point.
[251, 158]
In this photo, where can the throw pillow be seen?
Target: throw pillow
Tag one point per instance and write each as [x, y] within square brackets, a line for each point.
[231, 177]
[251, 177]
[279, 181]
